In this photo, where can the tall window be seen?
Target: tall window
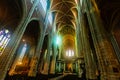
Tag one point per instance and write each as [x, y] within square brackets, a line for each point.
[22, 53]
[70, 53]
[4, 39]
[44, 4]
[50, 18]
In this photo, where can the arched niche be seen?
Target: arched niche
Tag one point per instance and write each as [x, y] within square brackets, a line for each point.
[26, 49]
[31, 36]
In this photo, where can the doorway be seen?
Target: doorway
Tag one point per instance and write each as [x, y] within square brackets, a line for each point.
[68, 67]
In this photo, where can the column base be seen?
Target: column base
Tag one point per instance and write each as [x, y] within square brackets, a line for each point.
[33, 68]
[45, 70]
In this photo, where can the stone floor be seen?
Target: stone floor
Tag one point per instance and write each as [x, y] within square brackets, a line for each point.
[64, 76]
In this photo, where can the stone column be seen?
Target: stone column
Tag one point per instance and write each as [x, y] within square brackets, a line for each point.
[78, 42]
[59, 59]
[89, 63]
[54, 49]
[14, 42]
[105, 53]
[52, 70]
[64, 66]
[41, 65]
[60, 66]
[47, 61]
[43, 61]
[76, 66]
[86, 51]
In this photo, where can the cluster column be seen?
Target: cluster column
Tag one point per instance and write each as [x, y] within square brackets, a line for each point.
[48, 55]
[87, 64]
[105, 53]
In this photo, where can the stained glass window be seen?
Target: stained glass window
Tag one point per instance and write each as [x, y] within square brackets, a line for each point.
[69, 53]
[22, 53]
[50, 18]
[4, 39]
[44, 4]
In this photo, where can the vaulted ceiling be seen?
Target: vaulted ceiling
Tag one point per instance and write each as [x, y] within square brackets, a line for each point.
[110, 13]
[66, 14]
[10, 13]
[65, 18]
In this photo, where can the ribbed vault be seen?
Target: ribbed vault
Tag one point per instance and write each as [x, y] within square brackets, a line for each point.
[65, 19]
[11, 12]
